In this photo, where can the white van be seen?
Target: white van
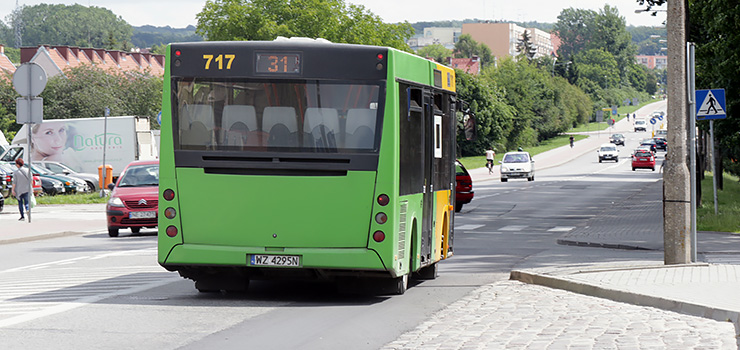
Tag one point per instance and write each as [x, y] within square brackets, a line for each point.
[640, 125]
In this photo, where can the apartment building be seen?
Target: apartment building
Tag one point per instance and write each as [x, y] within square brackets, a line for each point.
[502, 38]
[652, 62]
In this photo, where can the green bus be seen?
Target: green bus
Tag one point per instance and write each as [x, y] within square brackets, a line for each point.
[305, 159]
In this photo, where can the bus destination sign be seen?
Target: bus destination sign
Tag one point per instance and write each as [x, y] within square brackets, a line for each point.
[278, 63]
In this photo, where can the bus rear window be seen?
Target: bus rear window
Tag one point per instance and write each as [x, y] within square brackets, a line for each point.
[305, 116]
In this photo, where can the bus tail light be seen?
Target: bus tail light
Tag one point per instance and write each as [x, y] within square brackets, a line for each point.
[171, 231]
[168, 194]
[383, 199]
[170, 213]
[381, 218]
[378, 236]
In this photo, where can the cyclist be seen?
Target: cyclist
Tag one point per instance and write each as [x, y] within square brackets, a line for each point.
[490, 154]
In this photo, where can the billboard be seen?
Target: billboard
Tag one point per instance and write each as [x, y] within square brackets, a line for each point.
[78, 143]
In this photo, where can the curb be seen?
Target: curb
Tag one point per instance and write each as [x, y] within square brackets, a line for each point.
[628, 297]
[44, 236]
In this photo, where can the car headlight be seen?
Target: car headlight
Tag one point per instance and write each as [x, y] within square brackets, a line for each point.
[503, 168]
[115, 202]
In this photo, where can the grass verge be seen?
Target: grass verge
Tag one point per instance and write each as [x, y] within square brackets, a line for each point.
[728, 206]
[82, 198]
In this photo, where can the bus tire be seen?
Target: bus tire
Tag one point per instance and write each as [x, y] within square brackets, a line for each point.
[401, 284]
[428, 272]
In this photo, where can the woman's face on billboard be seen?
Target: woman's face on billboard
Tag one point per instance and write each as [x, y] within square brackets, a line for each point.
[50, 138]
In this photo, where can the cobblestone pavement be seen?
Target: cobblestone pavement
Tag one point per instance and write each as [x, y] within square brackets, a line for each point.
[514, 315]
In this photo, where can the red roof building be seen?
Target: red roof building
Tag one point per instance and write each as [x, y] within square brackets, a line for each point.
[467, 65]
[6, 65]
[55, 59]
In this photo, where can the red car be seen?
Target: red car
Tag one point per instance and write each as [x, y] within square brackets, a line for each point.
[463, 188]
[643, 158]
[134, 198]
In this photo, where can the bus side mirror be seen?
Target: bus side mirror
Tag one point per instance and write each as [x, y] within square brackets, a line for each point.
[469, 124]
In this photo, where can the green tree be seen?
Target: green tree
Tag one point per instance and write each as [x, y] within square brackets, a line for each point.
[85, 91]
[329, 19]
[596, 67]
[494, 116]
[74, 25]
[466, 47]
[715, 28]
[525, 47]
[436, 52]
[574, 28]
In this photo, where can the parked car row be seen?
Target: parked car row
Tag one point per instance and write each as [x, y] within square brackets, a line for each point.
[49, 182]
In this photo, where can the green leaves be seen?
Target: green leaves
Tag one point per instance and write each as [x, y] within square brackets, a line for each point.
[328, 19]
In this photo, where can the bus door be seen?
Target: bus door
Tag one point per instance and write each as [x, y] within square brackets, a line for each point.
[427, 230]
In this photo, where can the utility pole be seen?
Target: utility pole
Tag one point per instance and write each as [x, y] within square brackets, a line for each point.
[676, 176]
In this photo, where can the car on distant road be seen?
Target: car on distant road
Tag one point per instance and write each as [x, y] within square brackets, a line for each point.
[643, 159]
[661, 143]
[517, 165]
[608, 151]
[640, 125]
[617, 139]
[650, 143]
[134, 198]
[463, 187]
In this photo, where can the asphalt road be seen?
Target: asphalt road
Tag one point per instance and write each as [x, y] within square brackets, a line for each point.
[93, 291]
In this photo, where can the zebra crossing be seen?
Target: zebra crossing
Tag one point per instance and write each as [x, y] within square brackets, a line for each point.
[36, 291]
[516, 228]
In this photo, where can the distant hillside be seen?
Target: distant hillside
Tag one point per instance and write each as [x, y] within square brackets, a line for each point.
[148, 36]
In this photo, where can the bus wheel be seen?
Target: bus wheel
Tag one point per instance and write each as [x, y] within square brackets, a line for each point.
[428, 272]
[401, 284]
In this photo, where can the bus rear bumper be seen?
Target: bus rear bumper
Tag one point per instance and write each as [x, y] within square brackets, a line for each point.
[315, 262]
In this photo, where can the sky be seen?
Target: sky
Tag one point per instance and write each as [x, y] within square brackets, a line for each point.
[181, 13]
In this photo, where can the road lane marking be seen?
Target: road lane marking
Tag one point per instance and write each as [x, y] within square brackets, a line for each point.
[468, 227]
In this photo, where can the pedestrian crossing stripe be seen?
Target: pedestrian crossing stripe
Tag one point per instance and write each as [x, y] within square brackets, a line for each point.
[712, 105]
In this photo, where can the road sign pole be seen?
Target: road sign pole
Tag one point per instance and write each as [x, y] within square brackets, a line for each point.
[691, 69]
[714, 161]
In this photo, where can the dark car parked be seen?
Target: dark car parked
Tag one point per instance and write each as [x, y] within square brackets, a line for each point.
[463, 188]
[6, 179]
[71, 184]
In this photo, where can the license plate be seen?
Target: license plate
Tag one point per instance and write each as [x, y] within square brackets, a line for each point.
[275, 260]
[142, 214]
[643, 160]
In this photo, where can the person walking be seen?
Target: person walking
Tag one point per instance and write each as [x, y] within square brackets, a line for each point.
[571, 141]
[21, 183]
[490, 155]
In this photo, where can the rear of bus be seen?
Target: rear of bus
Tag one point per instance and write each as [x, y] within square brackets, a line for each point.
[269, 163]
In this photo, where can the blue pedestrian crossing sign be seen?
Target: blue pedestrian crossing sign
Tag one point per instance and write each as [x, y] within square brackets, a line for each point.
[710, 104]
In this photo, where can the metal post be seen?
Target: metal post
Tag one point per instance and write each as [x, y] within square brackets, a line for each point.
[714, 160]
[30, 172]
[691, 69]
[104, 172]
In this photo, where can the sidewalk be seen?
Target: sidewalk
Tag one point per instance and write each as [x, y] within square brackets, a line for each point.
[49, 221]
